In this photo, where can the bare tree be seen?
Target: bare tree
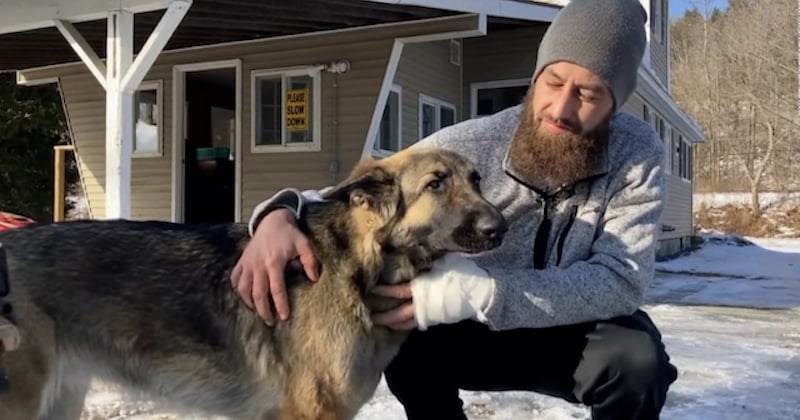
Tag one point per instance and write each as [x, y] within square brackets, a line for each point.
[736, 72]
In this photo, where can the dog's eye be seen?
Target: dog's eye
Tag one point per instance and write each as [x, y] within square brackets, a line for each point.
[434, 185]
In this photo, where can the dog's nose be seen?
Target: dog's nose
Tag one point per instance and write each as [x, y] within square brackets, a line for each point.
[491, 226]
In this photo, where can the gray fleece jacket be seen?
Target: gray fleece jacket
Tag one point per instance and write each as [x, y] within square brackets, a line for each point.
[597, 258]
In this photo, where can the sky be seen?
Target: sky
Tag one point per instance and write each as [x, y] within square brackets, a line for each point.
[678, 7]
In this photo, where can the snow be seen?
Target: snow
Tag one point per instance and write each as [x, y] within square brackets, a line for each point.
[729, 313]
[767, 199]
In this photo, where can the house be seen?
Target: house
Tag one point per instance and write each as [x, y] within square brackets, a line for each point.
[196, 110]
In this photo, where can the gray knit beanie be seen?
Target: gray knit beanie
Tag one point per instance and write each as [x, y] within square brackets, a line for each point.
[605, 36]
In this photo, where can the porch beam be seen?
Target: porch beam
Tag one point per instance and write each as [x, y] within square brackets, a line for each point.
[119, 115]
[155, 44]
[83, 49]
[478, 28]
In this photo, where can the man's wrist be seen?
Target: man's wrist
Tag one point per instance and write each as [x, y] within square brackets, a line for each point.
[454, 290]
[289, 199]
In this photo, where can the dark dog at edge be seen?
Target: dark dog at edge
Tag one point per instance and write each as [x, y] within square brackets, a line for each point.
[148, 305]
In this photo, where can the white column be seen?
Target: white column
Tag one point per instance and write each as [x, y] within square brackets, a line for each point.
[119, 115]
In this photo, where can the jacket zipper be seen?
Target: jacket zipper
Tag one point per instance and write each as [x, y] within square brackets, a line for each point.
[543, 234]
[550, 202]
[562, 238]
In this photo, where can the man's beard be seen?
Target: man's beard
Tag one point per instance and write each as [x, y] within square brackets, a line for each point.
[547, 162]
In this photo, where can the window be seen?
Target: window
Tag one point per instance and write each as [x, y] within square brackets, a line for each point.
[147, 120]
[685, 159]
[677, 145]
[389, 137]
[657, 21]
[286, 110]
[490, 97]
[666, 133]
[434, 114]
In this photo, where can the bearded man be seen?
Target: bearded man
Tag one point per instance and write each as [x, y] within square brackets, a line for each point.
[556, 308]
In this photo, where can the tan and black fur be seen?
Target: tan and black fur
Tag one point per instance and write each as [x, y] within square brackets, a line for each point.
[149, 305]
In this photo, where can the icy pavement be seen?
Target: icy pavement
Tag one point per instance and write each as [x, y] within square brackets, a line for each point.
[730, 317]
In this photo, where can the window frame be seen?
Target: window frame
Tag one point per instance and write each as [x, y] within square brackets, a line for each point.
[476, 87]
[158, 86]
[685, 159]
[376, 149]
[437, 104]
[315, 73]
[657, 20]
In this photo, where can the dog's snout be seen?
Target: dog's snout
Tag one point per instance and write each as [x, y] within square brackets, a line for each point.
[492, 225]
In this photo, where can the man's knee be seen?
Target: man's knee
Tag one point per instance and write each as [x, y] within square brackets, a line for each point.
[639, 361]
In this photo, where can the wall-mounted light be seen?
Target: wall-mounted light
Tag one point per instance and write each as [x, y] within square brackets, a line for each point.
[338, 66]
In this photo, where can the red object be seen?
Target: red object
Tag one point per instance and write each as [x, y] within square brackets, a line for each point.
[11, 220]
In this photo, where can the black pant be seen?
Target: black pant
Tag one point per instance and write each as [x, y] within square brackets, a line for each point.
[618, 367]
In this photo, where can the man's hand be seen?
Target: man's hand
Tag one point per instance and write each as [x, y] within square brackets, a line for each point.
[258, 275]
[402, 317]
[454, 290]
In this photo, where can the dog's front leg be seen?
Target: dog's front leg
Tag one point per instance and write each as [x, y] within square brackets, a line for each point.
[311, 398]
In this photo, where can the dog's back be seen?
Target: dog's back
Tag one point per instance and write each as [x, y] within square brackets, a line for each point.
[140, 303]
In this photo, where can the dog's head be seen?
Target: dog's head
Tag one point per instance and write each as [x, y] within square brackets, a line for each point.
[423, 197]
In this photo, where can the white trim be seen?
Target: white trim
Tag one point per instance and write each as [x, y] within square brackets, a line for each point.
[391, 70]
[178, 149]
[155, 43]
[437, 104]
[383, 95]
[384, 152]
[83, 49]
[502, 8]
[312, 71]
[158, 86]
[646, 61]
[22, 81]
[503, 83]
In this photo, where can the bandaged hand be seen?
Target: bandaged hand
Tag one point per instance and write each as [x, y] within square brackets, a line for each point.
[454, 290]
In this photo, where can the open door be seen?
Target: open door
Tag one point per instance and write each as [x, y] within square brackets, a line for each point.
[210, 163]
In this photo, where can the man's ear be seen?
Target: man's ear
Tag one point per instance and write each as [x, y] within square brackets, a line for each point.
[369, 186]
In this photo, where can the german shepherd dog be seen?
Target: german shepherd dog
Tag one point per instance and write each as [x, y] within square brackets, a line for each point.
[149, 305]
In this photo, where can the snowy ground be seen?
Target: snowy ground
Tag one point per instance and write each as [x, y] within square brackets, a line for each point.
[730, 317]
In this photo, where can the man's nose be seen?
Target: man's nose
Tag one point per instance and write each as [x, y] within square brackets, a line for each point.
[563, 106]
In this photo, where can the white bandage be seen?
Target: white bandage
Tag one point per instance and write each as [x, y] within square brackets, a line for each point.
[454, 290]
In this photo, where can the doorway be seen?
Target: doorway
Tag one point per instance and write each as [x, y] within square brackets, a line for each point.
[207, 127]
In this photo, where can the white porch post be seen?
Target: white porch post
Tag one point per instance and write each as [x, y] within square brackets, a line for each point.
[119, 115]
[120, 77]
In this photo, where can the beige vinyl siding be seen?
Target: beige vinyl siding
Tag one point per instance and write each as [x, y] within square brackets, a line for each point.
[500, 55]
[677, 207]
[426, 69]
[659, 50]
[659, 54]
[368, 51]
[635, 106]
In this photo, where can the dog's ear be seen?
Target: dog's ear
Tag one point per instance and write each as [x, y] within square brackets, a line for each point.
[369, 186]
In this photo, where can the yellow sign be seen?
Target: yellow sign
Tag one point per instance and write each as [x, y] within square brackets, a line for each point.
[297, 110]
